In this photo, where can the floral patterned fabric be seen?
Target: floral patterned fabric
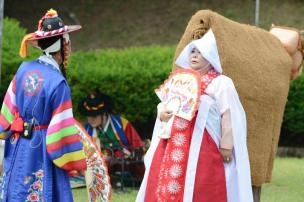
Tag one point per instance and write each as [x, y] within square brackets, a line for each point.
[36, 188]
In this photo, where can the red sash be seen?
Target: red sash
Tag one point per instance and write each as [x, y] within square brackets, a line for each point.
[173, 167]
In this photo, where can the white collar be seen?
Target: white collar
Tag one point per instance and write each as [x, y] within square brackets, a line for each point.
[50, 61]
[107, 124]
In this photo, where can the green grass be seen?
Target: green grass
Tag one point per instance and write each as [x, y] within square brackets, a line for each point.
[286, 186]
[128, 195]
[287, 181]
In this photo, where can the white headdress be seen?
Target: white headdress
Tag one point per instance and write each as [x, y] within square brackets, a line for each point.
[208, 48]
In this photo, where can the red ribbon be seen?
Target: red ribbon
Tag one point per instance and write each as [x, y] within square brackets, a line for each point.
[17, 124]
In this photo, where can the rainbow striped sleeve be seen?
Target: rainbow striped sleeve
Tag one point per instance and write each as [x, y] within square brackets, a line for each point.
[8, 109]
[63, 141]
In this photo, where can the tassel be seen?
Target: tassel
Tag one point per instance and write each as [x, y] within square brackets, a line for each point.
[24, 45]
[51, 13]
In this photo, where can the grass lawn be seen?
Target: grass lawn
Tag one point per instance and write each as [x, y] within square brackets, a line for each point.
[128, 195]
[287, 181]
[286, 186]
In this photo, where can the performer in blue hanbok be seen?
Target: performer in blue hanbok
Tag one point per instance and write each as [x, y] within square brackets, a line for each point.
[36, 121]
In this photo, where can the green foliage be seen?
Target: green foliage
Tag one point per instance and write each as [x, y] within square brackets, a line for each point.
[127, 195]
[129, 76]
[12, 37]
[294, 112]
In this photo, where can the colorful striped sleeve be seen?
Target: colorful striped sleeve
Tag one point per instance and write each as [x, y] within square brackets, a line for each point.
[8, 109]
[63, 142]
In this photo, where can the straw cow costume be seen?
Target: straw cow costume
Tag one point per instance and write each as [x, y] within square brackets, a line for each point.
[261, 68]
[42, 141]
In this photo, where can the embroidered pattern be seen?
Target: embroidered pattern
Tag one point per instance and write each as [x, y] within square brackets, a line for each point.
[32, 82]
[172, 171]
[188, 106]
[27, 179]
[181, 124]
[2, 185]
[181, 92]
[176, 171]
[36, 188]
[207, 78]
[161, 187]
[14, 138]
[174, 187]
[99, 181]
[179, 139]
[174, 164]
[177, 155]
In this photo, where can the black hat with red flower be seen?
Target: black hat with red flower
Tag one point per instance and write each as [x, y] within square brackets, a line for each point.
[49, 26]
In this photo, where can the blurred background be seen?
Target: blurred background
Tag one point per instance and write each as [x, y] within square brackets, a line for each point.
[125, 23]
[126, 49]
[122, 39]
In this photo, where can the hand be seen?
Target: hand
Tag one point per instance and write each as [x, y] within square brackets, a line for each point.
[166, 115]
[73, 173]
[226, 154]
[126, 152]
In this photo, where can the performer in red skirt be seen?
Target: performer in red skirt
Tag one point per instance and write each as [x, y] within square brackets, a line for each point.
[204, 159]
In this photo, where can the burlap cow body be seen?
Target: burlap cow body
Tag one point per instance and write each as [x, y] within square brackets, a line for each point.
[260, 68]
